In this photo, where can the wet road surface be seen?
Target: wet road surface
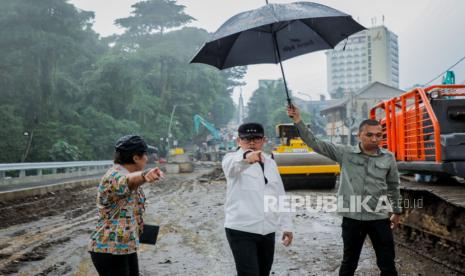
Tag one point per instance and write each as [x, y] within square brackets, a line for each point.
[48, 235]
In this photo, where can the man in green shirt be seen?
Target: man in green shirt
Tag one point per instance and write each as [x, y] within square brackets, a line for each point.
[368, 191]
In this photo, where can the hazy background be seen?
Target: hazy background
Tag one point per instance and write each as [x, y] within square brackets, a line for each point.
[430, 36]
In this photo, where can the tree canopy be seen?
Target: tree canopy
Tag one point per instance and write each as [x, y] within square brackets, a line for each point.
[151, 16]
[74, 93]
[267, 106]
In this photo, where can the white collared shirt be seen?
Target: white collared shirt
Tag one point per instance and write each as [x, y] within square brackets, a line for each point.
[245, 195]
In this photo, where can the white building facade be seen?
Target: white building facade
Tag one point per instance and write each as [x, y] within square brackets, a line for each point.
[369, 56]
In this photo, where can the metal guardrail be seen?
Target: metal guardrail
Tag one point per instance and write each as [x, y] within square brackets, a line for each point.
[52, 165]
[32, 172]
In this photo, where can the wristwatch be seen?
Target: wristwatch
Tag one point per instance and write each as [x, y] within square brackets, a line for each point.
[143, 174]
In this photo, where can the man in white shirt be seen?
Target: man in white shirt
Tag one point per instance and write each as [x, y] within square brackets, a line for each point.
[251, 176]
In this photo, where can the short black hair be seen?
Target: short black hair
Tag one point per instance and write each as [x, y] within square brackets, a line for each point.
[124, 157]
[127, 147]
[369, 122]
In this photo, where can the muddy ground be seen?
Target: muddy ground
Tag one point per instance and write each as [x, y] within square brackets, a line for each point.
[47, 235]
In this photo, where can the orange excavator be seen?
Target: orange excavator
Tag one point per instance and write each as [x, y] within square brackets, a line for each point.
[425, 129]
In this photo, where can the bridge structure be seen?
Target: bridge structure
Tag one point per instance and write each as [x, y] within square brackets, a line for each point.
[29, 179]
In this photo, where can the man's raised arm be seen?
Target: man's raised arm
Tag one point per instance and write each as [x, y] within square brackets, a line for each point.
[327, 149]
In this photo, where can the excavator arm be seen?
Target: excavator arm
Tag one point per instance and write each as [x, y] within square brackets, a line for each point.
[198, 120]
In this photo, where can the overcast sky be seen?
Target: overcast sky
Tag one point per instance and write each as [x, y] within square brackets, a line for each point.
[430, 36]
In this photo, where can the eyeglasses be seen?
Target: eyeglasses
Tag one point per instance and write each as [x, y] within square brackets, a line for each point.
[250, 139]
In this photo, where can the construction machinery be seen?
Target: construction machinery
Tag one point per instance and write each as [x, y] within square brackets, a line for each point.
[176, 151]
[198, 120]
[210, 150]
[449, 78]
[300, 167]
[425, 129]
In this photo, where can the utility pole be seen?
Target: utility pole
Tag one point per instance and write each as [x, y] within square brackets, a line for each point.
[171, 122]
[28, 146]
[169, 126]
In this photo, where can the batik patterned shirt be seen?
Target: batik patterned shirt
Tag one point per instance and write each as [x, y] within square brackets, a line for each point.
[120, 214]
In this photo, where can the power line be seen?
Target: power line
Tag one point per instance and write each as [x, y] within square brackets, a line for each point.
[460, 60]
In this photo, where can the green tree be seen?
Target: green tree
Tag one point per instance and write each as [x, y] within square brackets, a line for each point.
[267, 106]
[154, 15]
[166, 78]
[75, 95]
[62, 151]
[45, 47]
[13, 142]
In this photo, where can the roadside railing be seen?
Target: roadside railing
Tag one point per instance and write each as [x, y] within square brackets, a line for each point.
[14, 173]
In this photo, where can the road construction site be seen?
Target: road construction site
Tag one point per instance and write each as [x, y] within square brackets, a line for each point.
[48, 234]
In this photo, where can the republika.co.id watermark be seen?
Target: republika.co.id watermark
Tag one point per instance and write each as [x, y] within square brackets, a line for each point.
[336, 203]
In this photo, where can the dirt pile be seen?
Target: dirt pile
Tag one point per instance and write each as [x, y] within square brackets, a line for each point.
[70, 202]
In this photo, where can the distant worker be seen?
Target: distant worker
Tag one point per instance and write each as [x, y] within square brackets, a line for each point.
[368, 172]
[250, 231]
[121, 205]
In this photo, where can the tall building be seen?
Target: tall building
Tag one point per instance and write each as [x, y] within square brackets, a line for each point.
[240, 110]
[370, 55]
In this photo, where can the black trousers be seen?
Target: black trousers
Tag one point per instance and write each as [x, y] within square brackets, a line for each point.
[253, 253]
[115, 265]
[354, 233]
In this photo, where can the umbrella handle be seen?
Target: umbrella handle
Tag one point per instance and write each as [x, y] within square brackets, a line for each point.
[289, 104]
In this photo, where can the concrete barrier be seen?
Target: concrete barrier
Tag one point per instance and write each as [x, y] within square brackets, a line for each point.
[45, 177]
[37, 191]
[181, 163]
[180, 158]
[172, 168]
[186, 167]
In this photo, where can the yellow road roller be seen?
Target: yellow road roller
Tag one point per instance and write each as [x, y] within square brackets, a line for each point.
[300, 167]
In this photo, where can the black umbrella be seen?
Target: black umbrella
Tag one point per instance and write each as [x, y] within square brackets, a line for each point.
[274, 33]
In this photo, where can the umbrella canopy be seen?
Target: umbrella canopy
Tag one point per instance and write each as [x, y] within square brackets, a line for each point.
[274, 33]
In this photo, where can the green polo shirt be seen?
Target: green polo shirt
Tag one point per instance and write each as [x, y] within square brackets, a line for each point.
[369, 185]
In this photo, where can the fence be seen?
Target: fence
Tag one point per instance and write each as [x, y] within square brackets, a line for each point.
[14, 173]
